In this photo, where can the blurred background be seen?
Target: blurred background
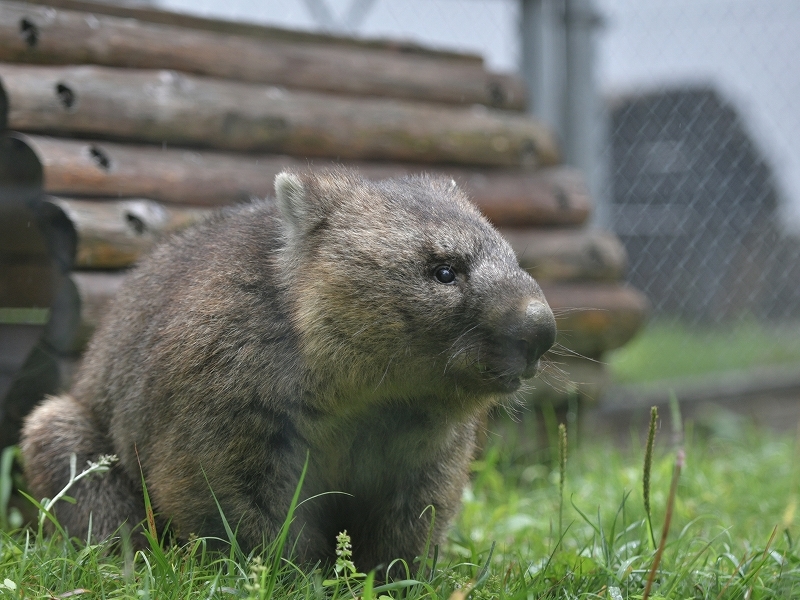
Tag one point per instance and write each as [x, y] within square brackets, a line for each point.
[682, 115]
[661, 217]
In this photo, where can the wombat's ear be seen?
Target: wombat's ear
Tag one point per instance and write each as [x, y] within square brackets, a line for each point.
[292, 198]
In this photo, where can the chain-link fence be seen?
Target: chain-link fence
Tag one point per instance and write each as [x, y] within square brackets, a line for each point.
[699, 157]
[697, 206]
[703, 165]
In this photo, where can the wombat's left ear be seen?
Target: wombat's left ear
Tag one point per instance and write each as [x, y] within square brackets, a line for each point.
[292, 196]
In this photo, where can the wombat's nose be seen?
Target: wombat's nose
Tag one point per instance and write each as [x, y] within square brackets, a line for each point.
[539, 330]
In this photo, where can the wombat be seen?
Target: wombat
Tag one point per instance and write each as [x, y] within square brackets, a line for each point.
[364, 327]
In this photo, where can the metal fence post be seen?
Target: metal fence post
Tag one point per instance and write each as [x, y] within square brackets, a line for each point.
[557, 41]
[542, 58]
[583, 115]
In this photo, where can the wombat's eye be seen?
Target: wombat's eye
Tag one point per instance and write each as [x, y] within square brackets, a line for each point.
[444, 274]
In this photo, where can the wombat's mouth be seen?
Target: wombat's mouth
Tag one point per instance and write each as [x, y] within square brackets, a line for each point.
[505, 379]
[500, 364]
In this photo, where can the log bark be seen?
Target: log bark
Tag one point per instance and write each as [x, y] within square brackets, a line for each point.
[115, 234]
[593, 318]
[112, 234]
[165, 107]
[568, 254]
[554, 196]
[154, 15]
[37, 34]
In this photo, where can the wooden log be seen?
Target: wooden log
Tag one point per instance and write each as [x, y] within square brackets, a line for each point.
[27, 283]
[170, 108]
[28, 275]
[36, 377]
[112, 234]
[79, 307]
[593, 318]
[554, 196]
[115, 234]
[20, 238]
[20, 170]
[568, 254]
[37, 34]
[154, 15]
[28, 234]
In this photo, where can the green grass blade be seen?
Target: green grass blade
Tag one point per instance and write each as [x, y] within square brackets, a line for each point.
[284, 534]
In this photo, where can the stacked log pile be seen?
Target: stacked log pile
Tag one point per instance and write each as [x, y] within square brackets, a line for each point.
[139, 122]
[28, 283]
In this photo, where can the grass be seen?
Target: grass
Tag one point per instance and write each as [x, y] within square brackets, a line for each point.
[667, 349]
[733, 535]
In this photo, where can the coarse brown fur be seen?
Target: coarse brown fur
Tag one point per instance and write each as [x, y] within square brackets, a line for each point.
[314, 325]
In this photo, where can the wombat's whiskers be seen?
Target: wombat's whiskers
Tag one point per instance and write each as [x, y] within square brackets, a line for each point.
[556, 378]
[386, 370]
[561, 350]
[463, 350]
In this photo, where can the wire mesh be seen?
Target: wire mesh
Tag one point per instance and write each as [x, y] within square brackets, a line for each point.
[696, 205]
[702, 152]
[700, 155]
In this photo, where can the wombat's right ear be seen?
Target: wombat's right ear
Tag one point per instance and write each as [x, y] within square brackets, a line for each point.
[291, 195]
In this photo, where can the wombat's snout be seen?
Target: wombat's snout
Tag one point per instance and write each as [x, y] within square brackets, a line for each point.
[536, 333]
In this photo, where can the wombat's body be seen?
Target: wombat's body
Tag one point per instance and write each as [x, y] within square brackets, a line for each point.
[368, 325]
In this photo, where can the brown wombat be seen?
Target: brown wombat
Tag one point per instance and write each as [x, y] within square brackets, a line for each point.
[368, 326]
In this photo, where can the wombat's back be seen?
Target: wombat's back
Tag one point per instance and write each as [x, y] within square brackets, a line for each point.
[202, 309]
[194, 362]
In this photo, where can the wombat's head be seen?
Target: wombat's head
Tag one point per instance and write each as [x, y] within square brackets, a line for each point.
[403, 285]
